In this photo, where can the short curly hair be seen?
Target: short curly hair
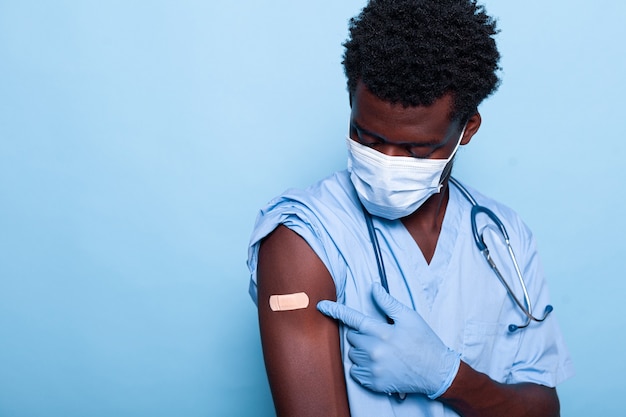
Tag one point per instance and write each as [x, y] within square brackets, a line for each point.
[414, 52]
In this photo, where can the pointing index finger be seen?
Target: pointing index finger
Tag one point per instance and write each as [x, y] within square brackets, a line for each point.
[346, 315]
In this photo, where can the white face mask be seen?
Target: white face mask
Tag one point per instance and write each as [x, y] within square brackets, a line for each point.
[394, 186]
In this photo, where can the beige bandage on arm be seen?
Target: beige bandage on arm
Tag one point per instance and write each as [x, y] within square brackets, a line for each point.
[286, 302]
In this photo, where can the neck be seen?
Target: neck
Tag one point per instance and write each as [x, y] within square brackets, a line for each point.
[430, 214]
[424, 224]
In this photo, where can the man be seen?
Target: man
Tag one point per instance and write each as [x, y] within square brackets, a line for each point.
[438, 342]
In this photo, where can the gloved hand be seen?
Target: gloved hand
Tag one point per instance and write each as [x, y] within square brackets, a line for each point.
[404, 357]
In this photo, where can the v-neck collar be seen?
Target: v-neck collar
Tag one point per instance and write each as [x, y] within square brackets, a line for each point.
[422, 276]
[422, 280]
[445, 241]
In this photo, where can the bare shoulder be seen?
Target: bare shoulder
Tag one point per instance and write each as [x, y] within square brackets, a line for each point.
[287, 264]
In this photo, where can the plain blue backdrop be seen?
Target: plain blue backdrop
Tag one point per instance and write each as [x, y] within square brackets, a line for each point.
[138, 139]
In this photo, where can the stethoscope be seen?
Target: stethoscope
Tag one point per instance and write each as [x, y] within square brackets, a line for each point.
[525, 307]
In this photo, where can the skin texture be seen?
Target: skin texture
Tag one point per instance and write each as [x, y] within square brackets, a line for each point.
[474, 394]
[301, 347]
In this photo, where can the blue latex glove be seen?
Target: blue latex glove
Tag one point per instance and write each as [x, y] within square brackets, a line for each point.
[404, 357]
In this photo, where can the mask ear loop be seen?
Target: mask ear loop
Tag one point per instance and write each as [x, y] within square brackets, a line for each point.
[446, 172]
[458, 143]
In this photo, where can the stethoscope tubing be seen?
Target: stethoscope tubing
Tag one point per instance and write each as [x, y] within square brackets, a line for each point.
[482, 247]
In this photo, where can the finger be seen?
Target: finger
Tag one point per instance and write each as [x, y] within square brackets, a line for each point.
[362, 375]
[346, 315]
[358, 339]
[388, 304]
[359, 357]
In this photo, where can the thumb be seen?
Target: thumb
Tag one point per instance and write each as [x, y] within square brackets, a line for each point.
[393, 308]
[346, 315]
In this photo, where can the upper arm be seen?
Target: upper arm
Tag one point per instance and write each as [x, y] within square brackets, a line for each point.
[301, 347]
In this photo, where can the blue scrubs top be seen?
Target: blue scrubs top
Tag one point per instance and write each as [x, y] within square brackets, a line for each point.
[457, 294]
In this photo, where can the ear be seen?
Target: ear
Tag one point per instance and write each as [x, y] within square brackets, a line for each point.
[473, 124]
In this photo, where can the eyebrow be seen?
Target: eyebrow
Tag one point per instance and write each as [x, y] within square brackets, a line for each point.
[434, 143]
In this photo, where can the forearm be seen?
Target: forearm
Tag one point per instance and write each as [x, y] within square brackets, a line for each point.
[474, 394]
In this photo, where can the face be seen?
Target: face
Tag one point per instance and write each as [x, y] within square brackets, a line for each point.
[395, 130]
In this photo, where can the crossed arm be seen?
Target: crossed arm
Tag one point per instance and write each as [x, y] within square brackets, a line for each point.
[474, 394]
[303, 358]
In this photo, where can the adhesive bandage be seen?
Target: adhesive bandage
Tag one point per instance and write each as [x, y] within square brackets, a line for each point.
[286, 302]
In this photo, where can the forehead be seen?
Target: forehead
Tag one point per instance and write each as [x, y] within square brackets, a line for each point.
[397, 122]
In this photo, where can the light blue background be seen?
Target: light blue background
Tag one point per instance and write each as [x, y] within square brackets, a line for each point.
[138, 139]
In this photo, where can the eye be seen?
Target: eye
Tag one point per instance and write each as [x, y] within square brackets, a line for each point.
[419, 151]
[372, 143]
[364, 138]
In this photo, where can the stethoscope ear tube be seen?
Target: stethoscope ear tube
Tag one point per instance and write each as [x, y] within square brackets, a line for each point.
[381, 272]
[530, 317]
[480, 243]
[377, 253]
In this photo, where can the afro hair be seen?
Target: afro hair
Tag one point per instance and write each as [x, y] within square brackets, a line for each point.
[413, 52]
